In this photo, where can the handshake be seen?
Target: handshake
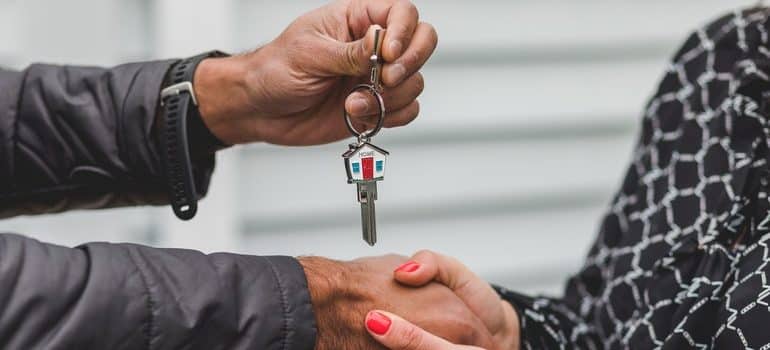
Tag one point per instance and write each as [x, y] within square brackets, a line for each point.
[429, 302]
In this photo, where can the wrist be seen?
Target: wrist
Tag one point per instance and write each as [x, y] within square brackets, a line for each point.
[337, 304]
[322, 279]
[224, 100]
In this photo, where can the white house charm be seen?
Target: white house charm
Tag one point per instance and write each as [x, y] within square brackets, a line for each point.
[365, 162]
[365, 165]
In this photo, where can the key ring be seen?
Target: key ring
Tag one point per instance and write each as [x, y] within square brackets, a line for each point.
[374, 89]
[366, 135]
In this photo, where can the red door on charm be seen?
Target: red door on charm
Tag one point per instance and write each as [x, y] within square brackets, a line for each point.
[367, 165]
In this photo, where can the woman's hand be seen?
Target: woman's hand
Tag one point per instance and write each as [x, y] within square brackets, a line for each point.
[343, 292]
[292, 90]
[395, 333]
[498, 315]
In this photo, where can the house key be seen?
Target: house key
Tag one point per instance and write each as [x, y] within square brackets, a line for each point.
[365, 162]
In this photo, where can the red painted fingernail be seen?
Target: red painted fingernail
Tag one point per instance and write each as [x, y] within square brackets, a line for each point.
[408, 267]
[377, 323]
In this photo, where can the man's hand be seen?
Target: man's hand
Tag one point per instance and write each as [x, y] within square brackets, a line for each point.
[343, 292]
[292, 91]
[498, 315]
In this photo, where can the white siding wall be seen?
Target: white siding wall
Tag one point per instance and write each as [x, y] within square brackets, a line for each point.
[532, 104]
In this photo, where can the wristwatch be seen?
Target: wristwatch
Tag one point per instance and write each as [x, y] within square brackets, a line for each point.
[183, 134]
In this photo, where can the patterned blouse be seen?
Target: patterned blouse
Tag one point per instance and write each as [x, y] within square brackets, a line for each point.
[681, 260]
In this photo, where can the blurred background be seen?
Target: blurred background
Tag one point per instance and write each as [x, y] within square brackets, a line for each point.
[528, 121]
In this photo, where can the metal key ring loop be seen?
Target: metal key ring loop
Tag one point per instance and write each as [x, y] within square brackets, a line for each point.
[366, 135]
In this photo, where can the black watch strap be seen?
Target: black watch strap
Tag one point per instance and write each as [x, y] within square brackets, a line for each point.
[180, 116]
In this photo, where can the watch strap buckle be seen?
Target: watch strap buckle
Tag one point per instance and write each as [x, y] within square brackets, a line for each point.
[176, 90]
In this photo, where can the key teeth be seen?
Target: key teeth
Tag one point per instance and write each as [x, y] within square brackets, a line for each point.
[370, 237]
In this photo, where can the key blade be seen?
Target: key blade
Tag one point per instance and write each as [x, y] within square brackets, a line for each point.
[367, 194]
[369, 223]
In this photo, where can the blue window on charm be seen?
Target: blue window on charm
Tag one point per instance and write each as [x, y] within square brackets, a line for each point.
[356, 168]
[378, 166]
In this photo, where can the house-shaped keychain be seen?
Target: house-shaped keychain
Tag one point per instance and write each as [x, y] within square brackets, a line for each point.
[365, 163]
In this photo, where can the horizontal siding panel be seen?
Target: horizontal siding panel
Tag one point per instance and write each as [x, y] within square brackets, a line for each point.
[78, 227]
[529, 252]
[500, 96]
[536, 24]
[300, 182]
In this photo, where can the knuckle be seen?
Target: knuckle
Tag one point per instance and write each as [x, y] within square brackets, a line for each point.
[425, 253]
[407, 4]
[416, 109]
[355, 96]
[393, 256]
[469, 337]
[413, 59]
[419, 83]
[350, 57]
[459, 332]
[432, 32]
[467, 333]
[412, 8]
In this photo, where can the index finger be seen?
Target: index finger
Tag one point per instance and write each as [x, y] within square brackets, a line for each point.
[401, 24]
[400, 18]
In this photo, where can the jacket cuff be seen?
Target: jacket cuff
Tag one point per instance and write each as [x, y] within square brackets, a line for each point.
[299, 320]
[138, 119]
[138, 116]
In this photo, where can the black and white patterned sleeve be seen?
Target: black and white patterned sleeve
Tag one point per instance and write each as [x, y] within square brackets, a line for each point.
[549, 323]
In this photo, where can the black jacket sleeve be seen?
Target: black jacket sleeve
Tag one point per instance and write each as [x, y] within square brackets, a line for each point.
[83, 137]
[124, 296]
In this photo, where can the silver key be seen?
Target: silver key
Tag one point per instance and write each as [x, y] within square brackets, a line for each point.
[365, 162]
[365, 166]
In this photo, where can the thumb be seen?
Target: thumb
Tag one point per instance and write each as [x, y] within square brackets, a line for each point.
[352, 58]
[395, 333]
[427, 266]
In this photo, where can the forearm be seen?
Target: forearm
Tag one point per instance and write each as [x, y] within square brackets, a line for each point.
[107, 296]
[82, 137]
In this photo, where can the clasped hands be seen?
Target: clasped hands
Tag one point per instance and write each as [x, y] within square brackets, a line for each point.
[429, 302]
